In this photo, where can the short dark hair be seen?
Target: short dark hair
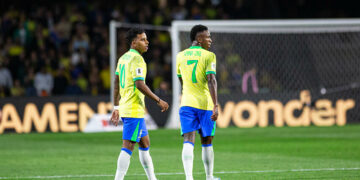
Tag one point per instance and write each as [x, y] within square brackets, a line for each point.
[132, 33]
[197, 29]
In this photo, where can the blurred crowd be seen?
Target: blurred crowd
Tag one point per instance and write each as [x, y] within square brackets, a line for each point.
[62, 47]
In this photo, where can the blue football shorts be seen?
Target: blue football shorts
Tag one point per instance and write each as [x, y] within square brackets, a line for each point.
[193, 119]
[134, 129]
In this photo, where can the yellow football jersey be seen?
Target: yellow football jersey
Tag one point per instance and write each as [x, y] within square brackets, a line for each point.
[131, 67]
[193, 65]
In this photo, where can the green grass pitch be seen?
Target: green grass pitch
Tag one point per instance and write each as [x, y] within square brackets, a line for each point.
[254, 153]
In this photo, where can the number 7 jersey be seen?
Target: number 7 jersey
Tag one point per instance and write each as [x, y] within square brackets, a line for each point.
[193, 65]
[130, 68]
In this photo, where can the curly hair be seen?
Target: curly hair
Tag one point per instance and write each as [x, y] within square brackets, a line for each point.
[132, 34]
[197, 29]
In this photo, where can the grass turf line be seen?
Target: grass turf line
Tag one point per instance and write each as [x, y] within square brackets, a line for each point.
[236, 150]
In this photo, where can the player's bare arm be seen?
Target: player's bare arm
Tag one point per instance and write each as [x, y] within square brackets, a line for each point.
[115, 114]
[181, 81]
[212, 84]
[143, 88]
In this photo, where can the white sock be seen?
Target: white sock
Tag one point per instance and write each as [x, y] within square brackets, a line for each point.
[123, 163]
[147, 163]
[187, 159]
[208, 160]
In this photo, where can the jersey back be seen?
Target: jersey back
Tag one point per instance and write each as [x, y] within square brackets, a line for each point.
[130, 68]
[193, 65]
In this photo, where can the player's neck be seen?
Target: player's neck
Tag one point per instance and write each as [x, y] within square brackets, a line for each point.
[195, 43]
[135, 50]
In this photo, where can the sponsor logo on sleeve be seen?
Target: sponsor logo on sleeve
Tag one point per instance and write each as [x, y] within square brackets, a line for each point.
[139, 71]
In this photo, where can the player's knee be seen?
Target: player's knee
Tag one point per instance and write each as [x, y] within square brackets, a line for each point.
[206, 140]
[128, 144]
[189, 137]
[144, 145]
[144, 142]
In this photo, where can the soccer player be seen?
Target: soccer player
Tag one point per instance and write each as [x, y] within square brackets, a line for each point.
[129, 104]
[196, 69]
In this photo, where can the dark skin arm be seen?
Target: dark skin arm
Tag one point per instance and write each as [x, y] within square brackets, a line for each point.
[143, 88]
[116, 91]
[212, 84]
[181, 82]
[115, 114]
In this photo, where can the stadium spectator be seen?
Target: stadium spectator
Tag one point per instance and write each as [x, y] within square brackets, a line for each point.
[57, 34]
[43, 82]
[164, 89]
[29, 82]
[6, 81]
[105, 76]
[63, 29]
[82, 83]
[73, 88]
[94, 81]
[3, 93]
[60, 82]
[17, 90]
[78, 56]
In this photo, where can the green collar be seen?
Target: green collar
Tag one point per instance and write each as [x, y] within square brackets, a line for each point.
[195, 47]
[134, 51]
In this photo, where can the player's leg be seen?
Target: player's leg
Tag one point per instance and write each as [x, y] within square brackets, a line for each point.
[208, 156]
[144, 154]
[207, 132]
[131, 131]
[123, 161]
[189, 125]
[188, 154]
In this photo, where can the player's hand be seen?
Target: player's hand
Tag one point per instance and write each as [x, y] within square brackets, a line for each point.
[115, 117]
[215, 114]
[163, 105]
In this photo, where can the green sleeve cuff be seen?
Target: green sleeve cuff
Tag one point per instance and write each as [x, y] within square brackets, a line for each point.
[210, 72]
[179, 75]
[117, 73]
[138, 78]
